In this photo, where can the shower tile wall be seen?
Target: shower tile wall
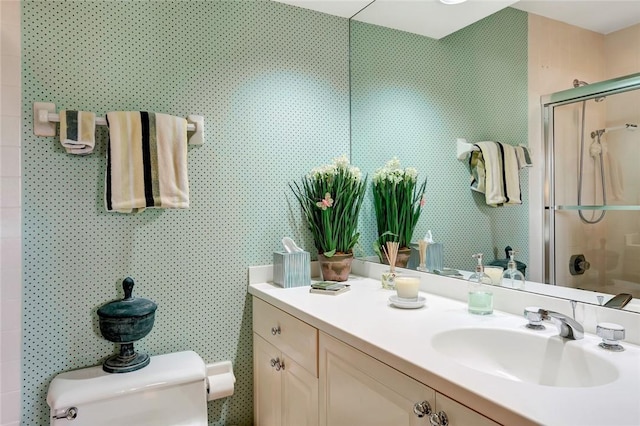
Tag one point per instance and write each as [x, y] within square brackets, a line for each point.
[10, 213]
[622, 52]
[272, 83]
[552, 67]
[622, 57]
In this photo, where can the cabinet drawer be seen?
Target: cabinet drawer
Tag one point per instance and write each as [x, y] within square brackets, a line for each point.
[297, 339]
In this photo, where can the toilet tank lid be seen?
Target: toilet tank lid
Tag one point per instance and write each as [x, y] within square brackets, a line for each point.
[73, 388]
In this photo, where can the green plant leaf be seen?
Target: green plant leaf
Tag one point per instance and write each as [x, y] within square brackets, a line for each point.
[329, 253]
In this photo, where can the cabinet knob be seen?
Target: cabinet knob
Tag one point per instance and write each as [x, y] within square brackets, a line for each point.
[277, 364]
[439, 419]
[275, 330]
[422, 409]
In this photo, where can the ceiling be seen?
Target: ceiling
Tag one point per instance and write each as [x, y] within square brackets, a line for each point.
[433, 19]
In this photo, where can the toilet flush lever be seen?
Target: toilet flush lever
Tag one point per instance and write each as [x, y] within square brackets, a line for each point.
[70, 414]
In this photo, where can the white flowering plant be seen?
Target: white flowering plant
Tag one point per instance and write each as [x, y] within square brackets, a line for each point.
[331, 197]
[398, 199]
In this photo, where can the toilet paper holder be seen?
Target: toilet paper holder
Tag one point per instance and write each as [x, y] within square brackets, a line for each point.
[220, 380]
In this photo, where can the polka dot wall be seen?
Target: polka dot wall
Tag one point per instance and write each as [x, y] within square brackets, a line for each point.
[413, 96]
[272, 82]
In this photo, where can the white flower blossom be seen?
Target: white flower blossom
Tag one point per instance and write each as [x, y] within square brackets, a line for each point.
[411, 173]
[392, 173]
[339, 164]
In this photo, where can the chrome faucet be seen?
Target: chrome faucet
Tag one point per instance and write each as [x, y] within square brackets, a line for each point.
[567, 326]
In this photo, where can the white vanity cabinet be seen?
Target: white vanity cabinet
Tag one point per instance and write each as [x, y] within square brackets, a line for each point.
[285, 368]
[358, 389]
[303, 376]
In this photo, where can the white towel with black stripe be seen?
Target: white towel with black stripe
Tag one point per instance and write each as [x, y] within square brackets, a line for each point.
[77, 131]
[524, 157]
[494, 172]
[146, 162]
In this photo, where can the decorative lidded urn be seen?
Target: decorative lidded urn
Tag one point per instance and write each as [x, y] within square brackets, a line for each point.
[126, 321]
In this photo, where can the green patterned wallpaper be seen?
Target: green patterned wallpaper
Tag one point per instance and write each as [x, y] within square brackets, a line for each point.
[272, 83]
[412, 97]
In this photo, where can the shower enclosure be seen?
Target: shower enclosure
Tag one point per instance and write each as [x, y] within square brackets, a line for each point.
[592, 186]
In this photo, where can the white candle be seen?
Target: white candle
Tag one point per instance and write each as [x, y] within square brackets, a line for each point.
[407, 287]
[495, 273]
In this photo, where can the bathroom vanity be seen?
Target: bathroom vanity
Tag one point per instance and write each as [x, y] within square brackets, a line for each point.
[354, 359]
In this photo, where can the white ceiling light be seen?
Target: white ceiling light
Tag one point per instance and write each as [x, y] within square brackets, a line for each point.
[452, 1]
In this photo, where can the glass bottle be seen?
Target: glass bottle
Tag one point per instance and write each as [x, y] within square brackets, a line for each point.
[480, 297]
[512, 277]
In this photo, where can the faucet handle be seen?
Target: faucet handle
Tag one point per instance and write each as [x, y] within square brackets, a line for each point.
[611, 333]
[534, 316]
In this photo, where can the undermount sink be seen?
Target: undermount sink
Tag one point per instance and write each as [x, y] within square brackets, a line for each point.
[524, 356]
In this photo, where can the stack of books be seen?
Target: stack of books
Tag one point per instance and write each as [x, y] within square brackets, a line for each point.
[329, 287]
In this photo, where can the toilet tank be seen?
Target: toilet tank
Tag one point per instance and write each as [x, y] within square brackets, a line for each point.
[170, 391]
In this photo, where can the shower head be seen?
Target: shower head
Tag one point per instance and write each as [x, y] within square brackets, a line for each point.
[580, 83]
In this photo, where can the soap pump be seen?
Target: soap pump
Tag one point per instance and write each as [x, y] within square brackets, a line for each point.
[480, 298]
[512, 277]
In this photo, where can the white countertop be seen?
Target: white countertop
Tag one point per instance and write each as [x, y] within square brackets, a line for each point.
[401, 338]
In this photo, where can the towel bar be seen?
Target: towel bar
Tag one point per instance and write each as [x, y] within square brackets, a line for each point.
[45, 117]
[463, 148]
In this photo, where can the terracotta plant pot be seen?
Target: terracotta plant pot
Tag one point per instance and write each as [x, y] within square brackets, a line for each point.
[402, 259]
[336, 267]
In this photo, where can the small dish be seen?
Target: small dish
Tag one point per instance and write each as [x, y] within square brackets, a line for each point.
[407, 304]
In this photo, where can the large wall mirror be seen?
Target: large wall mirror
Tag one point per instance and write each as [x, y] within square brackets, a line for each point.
[413, 96]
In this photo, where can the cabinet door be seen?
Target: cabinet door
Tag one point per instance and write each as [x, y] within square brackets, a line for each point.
[356, 389]
[292, 336]
[459, 415]
[299, 395]
[267, 384]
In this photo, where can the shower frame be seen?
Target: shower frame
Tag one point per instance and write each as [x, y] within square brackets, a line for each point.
[548, 104]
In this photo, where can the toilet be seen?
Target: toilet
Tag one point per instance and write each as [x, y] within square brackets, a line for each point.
[170, 391]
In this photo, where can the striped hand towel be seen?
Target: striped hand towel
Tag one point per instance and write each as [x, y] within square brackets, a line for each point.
[146, 162]
[494, 172]
[78, 131]
[524, 158]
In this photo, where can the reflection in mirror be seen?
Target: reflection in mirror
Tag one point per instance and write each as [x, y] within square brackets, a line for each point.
[594, 209]
[412, 97]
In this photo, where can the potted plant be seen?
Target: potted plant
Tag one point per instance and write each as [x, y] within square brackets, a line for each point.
[398, 200]
[331, 197]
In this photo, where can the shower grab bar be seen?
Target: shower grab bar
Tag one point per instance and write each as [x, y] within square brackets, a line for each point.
[627, 126]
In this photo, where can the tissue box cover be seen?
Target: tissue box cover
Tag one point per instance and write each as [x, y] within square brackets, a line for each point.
[292, 269]
[435, 257]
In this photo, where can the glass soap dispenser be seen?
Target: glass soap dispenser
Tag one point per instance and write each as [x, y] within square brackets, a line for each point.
[512, 277]
[480, 297]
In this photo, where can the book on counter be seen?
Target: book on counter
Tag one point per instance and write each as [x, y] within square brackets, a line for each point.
[329, 287]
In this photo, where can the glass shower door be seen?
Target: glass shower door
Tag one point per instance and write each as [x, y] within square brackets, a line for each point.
[593, 191]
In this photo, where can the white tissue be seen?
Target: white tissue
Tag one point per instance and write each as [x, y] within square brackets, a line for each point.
[220, 380]
[290, 246]
[428, 237]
